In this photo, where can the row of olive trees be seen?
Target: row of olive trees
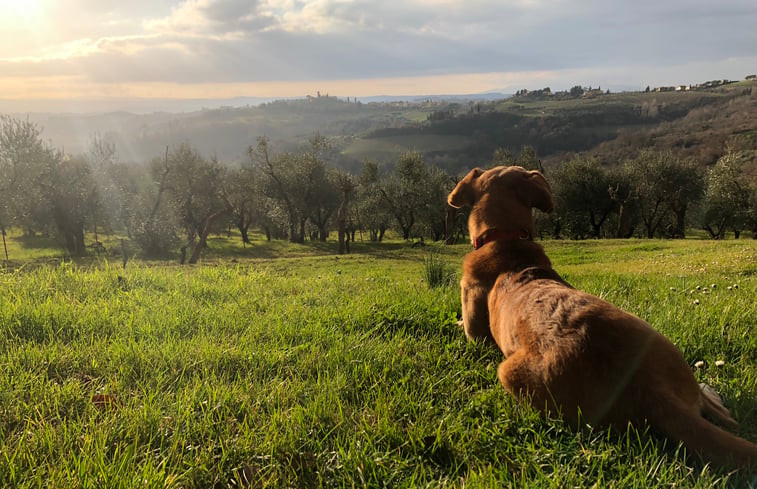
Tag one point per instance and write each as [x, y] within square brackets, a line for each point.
[653, 194]
[43, 190]
[176, 200]
[300, 190]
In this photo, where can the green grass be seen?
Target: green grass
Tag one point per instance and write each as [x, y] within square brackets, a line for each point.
[288, 366]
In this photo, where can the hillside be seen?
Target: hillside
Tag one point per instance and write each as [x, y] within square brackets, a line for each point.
[451, 134]
[703, 133]
[610, 126]
[227, 132]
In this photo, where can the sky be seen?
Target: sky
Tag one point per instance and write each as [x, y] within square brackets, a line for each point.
[216, 49]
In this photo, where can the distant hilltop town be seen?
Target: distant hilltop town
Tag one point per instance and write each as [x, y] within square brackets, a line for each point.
[584, 92]
[699, 86]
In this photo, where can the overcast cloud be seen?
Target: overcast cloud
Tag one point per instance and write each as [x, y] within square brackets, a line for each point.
[99, 43]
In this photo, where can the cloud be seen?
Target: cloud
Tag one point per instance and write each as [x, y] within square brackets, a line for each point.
[215, 19]
[241, 41]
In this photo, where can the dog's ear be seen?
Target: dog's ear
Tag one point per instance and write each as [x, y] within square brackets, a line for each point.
[464, 193]
[540, 194]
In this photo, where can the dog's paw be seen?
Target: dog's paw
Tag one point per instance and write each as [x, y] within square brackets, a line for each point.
[460, 324]
[714, 407]
[711, 393]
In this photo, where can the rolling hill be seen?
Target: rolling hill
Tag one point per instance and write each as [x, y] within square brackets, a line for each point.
[453, 134]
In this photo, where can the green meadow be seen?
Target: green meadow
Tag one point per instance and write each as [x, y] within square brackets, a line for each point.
[285, 365]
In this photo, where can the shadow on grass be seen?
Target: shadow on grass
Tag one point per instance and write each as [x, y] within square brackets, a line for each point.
[46, 250]
[37, 242]
[231, 248]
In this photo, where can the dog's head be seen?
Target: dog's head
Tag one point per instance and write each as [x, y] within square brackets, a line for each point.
[502, 198]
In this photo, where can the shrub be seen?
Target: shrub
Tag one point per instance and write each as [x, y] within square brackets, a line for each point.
[156, 238]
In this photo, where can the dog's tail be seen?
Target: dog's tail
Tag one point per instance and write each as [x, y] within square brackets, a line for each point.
[712, 443]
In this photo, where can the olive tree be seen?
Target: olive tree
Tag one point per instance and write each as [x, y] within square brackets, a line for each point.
[415, 194]
[731, 196]
[300, 183]
[582, 193]
[665, 185]
[188, 188]
[43, 189]
[372, 214]
[24, 157]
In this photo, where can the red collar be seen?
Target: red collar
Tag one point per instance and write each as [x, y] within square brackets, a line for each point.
[495, 235]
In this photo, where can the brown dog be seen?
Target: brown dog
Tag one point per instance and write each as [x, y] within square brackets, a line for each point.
[570, 353]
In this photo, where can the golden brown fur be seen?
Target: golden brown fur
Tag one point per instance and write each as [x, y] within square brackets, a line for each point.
[567, 352]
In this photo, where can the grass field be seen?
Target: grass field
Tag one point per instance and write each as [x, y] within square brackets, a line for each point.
[288, 366]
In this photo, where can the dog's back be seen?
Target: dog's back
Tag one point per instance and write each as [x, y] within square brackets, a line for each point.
[569, 352]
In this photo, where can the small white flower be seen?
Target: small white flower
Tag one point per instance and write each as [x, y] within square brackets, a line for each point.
[699, 287]
[729, 287]
[712, 286]
[699, 364]
[719, 363]
[735, 286]
[696, 302]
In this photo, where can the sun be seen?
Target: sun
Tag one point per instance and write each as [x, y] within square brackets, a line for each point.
[24, 11]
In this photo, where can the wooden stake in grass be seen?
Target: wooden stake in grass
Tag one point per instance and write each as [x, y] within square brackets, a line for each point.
[5, 246]
[125, 257]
